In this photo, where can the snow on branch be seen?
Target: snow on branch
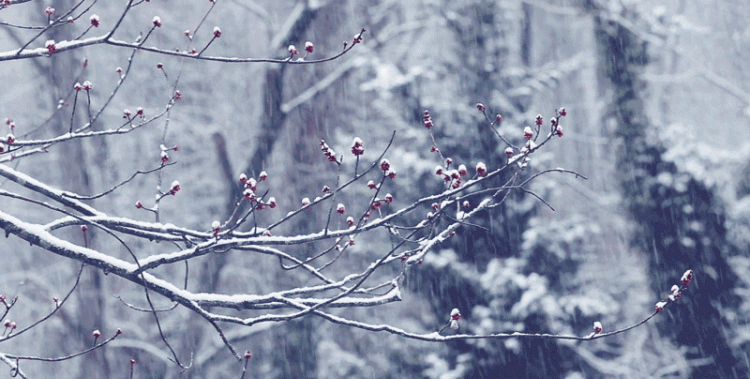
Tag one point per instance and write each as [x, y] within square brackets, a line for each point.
[412, 230]
[56, 47]
[412, 250]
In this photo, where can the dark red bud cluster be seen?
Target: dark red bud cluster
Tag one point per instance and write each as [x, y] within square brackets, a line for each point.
[481, 169]
[174, 188]
[358, 148]
[598, 327]
[328, 152]
[555, 121]
[687, 277]
[675, 291]
[455, 315]
[462, 171]
[385, 165]
[51, 47]
[251, 184]
[528, 133]
[427, 120]
[358, 38]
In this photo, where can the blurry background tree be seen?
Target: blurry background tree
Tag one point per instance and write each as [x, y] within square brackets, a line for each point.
[679, 221]
[657, 94]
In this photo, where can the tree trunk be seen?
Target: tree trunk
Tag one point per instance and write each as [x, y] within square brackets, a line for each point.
[667, 215]
[73, 166]
[292, 358]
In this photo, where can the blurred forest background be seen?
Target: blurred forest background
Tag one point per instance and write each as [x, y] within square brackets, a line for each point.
[658, 99]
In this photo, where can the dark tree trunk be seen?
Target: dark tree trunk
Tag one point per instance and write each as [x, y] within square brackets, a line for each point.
[680, 226]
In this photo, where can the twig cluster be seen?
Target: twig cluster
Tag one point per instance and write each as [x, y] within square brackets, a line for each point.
[441, 215]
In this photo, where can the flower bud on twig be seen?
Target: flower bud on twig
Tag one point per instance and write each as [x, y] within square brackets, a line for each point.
[660, 306]
[687, 277]
[462, 172]
[528, 133]
[50, 46]
[358, 147]
[598, 327]
[175, 187]
[385, 165]
[481, 169]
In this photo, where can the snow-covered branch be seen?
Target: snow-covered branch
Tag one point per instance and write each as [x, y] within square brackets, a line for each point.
[315, 240]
